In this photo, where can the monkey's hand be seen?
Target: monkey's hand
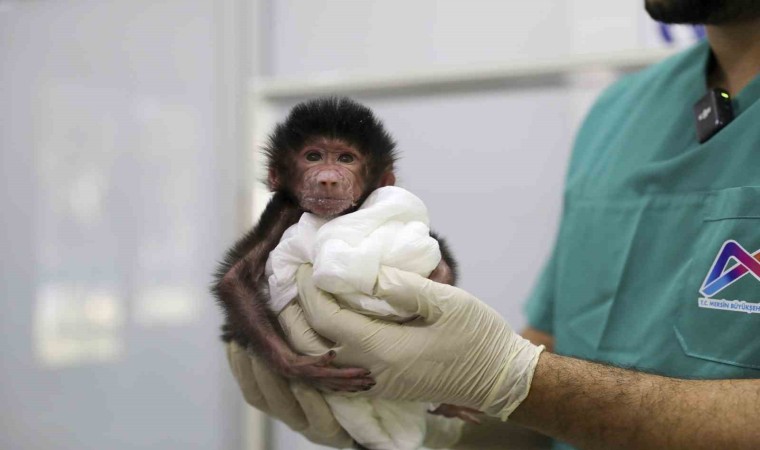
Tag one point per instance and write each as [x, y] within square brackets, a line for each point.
[314, 366]
[459, 351]
[301, 407]
[304, 409]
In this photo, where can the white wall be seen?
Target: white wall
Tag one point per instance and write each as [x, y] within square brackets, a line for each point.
[117, 197]
[390, 35]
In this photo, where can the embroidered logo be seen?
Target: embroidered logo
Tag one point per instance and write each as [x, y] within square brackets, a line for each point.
[731, 264]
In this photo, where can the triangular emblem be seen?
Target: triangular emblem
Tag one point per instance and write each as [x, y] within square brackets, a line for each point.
[720, 276]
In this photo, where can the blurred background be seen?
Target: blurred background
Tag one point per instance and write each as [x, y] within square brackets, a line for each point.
[129, 131]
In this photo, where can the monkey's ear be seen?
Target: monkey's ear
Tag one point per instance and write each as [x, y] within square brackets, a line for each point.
[273, 179]
[388, 179]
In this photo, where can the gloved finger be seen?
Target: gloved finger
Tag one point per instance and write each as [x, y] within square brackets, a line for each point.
[323, 428]
[280, 400]
[317, 360]
[323, 313]
[301, 335]
[240, 363]
[314, 369]
[409, 291]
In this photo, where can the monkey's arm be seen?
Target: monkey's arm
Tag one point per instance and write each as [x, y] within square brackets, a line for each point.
[250, 322]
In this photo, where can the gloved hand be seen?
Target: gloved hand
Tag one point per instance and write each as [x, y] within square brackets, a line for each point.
[302, 407]
[299, 406]
[459, 351]
[305, 341]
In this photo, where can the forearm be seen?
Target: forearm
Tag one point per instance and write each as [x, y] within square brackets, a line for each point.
[600, 407]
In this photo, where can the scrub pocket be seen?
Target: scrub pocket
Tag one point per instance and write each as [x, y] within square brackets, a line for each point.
[720, 318]
[589, 271]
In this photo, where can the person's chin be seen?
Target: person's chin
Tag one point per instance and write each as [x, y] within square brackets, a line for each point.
[704, 12]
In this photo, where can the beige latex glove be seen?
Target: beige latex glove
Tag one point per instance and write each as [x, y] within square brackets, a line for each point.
[302, 407]
[299, 406]
[460, 351]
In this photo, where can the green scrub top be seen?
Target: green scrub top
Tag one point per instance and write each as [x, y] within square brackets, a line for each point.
[657, 261]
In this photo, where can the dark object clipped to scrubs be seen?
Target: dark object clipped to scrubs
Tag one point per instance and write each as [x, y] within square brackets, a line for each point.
[648, 214]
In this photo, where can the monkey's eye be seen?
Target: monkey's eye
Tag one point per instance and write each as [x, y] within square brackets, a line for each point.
[346, 158]
[313, 156]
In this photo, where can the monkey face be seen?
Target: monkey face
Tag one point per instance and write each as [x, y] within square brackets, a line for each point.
[328, 154]
[329, 177]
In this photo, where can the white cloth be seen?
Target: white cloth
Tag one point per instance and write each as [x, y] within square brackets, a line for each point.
[390, 228]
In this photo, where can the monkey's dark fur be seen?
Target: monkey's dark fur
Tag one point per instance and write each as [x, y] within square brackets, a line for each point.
[447, 256]
[238, 252]
[333, 118]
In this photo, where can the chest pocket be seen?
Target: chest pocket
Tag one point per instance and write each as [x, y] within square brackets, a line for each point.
[596, 237]
[720, 321]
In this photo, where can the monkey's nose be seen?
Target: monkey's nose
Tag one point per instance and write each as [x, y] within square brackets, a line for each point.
[328, 178]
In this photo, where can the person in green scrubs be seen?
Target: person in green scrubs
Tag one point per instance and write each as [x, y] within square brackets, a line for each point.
[649, 212]
[655, 274]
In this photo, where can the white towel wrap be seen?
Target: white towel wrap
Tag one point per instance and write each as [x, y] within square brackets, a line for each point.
[390, 228]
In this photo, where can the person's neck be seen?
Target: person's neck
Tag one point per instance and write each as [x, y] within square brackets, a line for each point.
[736, 47]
